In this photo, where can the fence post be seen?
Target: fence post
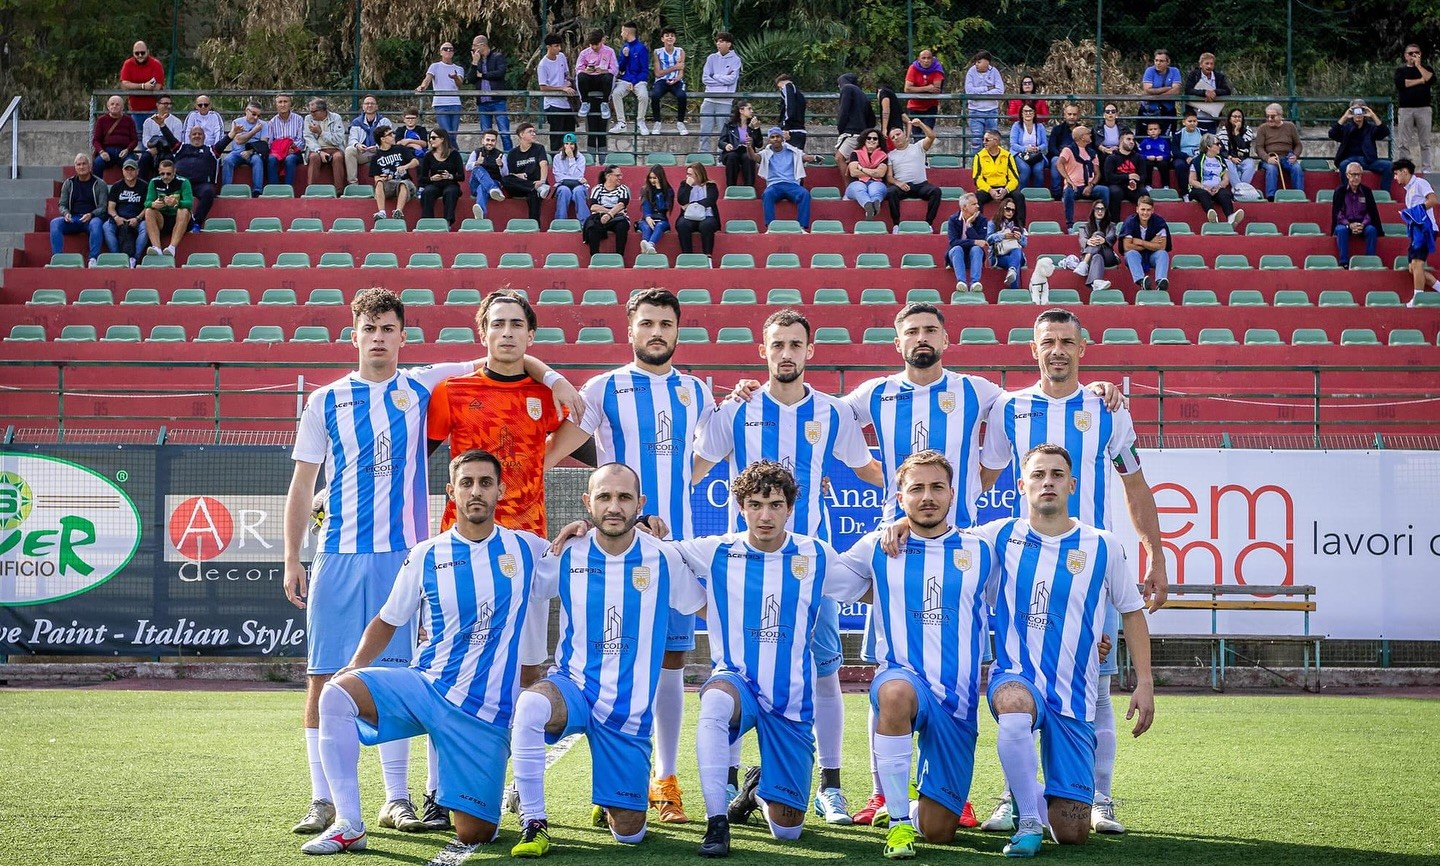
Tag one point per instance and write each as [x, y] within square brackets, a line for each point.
[174, 45]
[1290, 56]
[1099, 51]
[355, 72]
[909, 30]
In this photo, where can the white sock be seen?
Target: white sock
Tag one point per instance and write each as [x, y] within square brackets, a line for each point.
[712, 748]
[630, 840]
[780, 832]
[340, 751]
[527, 753]
[875, 786]
[1104, 739]
[829, 721]
[395, 768]
[735, 753]
[319, 788]
[669, 712]
[1019, 762]
[432, 767]
[892, 761]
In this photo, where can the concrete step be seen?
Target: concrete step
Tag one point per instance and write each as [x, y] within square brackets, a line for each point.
[20, 221]
[31, 188]
[37, 172]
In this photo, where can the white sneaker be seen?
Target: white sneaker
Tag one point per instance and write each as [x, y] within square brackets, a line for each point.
[584, 111]
[605, 110]
[170, 251]
[976, 287]
[1237, 217]
[1211, 216]
[91, 263]
[544, 190]
[1100, 285]
[619, 127]
[647, 248]
[655, 129]
[960, 286]
[1102, 817]
[478, 213]
[681, 128]
[378, 215]
[1002, 820]
[644, 130]
[132, 261]
[1011, 276]
[400, 814]
[895, 231]
[496, 194]
[338, 837]
[155, 251]
[830, 804]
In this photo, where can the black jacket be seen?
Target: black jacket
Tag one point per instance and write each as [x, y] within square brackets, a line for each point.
[491, 68]
[1337, 202]
[792, 108]
[1357, 139]
[711, 200]
[855, 113]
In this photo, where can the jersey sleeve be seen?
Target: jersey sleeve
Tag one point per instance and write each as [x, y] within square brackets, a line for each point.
[716, 439]
[850, 447]
[433, 375]
[854, 574]
[987, 392]
[437, 417]
[698, 553]
[1121, 448]
[859, 402]
[706, 415]
[593, 393]
[311, 440]
[546, 582]
[1120, 583]
[686, 593]
[990, 533]
[995, 452]
[406, 595]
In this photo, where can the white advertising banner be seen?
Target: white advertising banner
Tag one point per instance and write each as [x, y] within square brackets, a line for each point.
[1362, 527]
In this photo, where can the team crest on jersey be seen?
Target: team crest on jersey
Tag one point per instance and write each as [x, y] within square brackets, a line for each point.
[947, 402]
[1075, 561]
[534, 408]
[962, 559]
[640, 578]
[683, 396]
[1082, 421]
[800, 566]
[401, 399]
[812, 432]
[508, 567]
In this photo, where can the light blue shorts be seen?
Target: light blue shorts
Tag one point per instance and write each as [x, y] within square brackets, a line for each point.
[825, 645]
[347, 590]
[1111, 665]
[472, 752]
[947, 744]
[680, 632]
[1067, 746]
[619, 762]
[787, 748]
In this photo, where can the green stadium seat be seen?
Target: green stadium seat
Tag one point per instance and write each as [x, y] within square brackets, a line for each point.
[968, 298]
[928, 296]
[1382, 299]
[1064, 296]
[1199, 298]
[1013, 296]
[318, 190]
[741, 227]
[232, 298]
[944, 160]
[784, 227]
[1407, 337]
[1336, 298]
[1168, 337]
[1216, 337]
[516, 260]
[476, 225]
[1382, 196]
[1212, 229]
[1179, 227]
[347, 225]
[782, 297]
[263, 224]
[871, 227]
[345, 334]
[827, 227]
[782, 260]
[693, 296]
[388, 225]
[239, 260]
[69, 260]
[693, 260]
[456, 335]
[235, 190]
[607, 260]
[311, 334]
[1246, 298]
[872, 260]
[95, 297]
[620, 158]
[1020, 336]
[1037, 193]
[562, 260]
[141, 298]
[832, 336]
[564, 226]
[831, 296]
[1309, 337]
[738, 297]
[357, 190]
[326, 298]
[1317, 263]
[915, 227]
[1316, 164]
[1305, 230]
[825, 193]
[556, 297]
[549, 335]
[1231, 262]
[463, 298]
[116, 260]
[877, 296]
[694, 335]
[1163, 193]
[595, 335]
[652, 260]
[1292, 298]
[1187, 262]
[1107, 297]
[219, 225]
[417, 297]
[1261, 230]
[49, 298]
[1290, 195]
[1402, 263]
[278, 190]
[734, 335]
[122, 334]
[425, 261]
[278, 297]
[1045, 227]
[470, 260]
[215, 334]
[26, 334]
[167, 334]
[878, 336]
[265, 334]
[702, 158]
[522, 227]
[1262, 337]
[431, 224]
[188, 298]
[978, 337]
[307, 224]
[339, 260]
[598, 298]
[951, 193]
[1153, 298]
[739, 193]
[1358, 337]
[827, 260]
[917, 260]
[1279, 263]
[372, 260]
[1120, 337]
[1366, 263]
[659, 158]
[737, 260]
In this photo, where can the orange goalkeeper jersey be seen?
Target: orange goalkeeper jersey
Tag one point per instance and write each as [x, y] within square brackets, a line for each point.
[509, 418]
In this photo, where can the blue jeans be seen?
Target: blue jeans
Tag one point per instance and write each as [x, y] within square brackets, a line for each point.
[1057, 179]
[980, 122]
[1013, 259]
[1342, 241]
[480, 185]
[863, 192]
[492, 116]
[234, 158]
[1272, 175]
[966, 265]
[786, 191]
[1379, 166]
[1096, 192]
[60, 227]
[1030, 175]
[1141, 262]
[292, 168]
[133, 238]
[566, 197]
[110, 156]
[447, 117]
[653, 234]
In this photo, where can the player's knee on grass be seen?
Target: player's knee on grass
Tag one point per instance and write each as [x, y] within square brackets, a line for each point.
[898, 706]
[1070, 820]
[1013, 698]
[936, 823]
[784, 816]
[471, 830]
[625, 822]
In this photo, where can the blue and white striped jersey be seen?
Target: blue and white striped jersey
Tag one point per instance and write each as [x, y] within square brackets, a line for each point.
[929, 610]
[613, 614]
[799, 437]
[1050, 607]
[649, 423]
[1096, 438]
[945, 416]
[371, 438]
[475, 595]
[762, 609]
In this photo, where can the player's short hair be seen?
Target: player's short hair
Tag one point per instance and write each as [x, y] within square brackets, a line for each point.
[628, 470]
[504, 295]
[522, 128]
[764, 477]
[928, 457]
[552, 39]
[474, 455]
[632, 25]
[1145, 199]
[1048, 448]
[375, 302]
[669, 31]
[725, 36]
[1057, 316]
[1404, 163]
[655, 298]
[915, 309]
[785, 318]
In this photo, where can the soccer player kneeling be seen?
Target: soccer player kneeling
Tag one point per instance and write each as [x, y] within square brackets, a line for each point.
[476, 584]
[1056, 576]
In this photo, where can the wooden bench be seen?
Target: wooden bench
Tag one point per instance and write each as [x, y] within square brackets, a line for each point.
[1218, 597]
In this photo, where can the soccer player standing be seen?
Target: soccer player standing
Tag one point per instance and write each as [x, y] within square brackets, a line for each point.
[474, 585]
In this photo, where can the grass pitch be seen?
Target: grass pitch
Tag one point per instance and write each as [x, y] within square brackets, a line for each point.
[117, 777]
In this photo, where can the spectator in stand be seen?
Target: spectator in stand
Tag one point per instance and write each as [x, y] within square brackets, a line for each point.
[1413, 109]
[1185, 147]
[868, 169]
[527, 171]
[1007, 240]
[889, 112]
[1278, 146]
[853, 117]
[287, 142]
[1210, 183]
[115, 138]
[634, 63]
[595, 68]
[926, 76]
[1107, 135]
[656, 203]
[968, 234]
[792, 110]
[608, 200]
[1419, 217]
[84, 203]
[412, 136]
[1121, 172]
[361, 144]
[1357, 131]
[390, 167]
[1097, 236]
[699, 201]
[441, 170]
[143, 75]
[1059, 139]
[1028, 142]
[571, 191]
[487, 73]
[125, 229]
[445, 77]
[738, 139]
[487, 166]
[669, 79]
[1079, 168]
[1161, 80]
[162, 133]
[325, 139]
[907, 176]
[168, 201]
[782, 166]
[249, 144]
[1025, 97]
[721, 75]
[1155, 152]
[207, 120]
[196, 162]
[1353, 214]
[996, 175]
[1145, 238]
[1206, 89]
[983, 89]
[1237, 140]
[553, 72]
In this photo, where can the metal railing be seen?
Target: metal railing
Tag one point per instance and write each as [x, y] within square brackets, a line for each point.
[12, 117]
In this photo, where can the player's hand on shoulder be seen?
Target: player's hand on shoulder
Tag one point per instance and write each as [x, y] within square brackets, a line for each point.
[567, 399]
[744, 390]
[1107, 391]
[894, 536]
[652, 524]
[571, 530]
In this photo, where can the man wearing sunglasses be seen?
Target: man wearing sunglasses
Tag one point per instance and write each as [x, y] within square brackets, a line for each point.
[1412, 109]
[142, 75]
[207, 120]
